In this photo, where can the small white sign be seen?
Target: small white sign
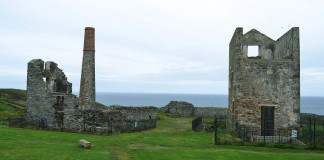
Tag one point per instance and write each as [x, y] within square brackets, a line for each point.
[293, 133]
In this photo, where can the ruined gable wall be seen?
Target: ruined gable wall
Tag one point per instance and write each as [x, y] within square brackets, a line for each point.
[288, 47]
[49, 97]
[255, 38]
[39, 102]
[235, 59]
[285, 44]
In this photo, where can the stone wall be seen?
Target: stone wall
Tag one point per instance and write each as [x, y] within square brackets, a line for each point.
[137, 113]
[268, 80]
[118, 119]
[185, 109]
[210, 112]
[137, 118]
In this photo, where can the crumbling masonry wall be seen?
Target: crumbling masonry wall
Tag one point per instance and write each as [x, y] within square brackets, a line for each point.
[49, 98]
[270, 79]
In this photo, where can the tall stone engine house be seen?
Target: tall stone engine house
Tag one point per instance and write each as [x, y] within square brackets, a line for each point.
[264, 90]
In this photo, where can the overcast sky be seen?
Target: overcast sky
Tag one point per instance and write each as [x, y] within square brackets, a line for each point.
[155, 46]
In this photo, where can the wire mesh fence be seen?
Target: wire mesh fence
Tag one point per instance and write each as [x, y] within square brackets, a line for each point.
[312, 130]
[311, 133]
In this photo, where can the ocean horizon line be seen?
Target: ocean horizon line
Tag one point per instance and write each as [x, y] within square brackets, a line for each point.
[164, 93]
[77, 92]
[308, 104]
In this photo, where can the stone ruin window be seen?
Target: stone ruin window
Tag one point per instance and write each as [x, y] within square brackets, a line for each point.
[136, 124]
[60, 85]
[253, 51]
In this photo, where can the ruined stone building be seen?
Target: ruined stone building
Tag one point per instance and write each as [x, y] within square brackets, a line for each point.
[51, 105]
[264, 90]
[49, 98]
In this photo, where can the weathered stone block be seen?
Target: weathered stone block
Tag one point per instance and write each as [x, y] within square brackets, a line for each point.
[85, 144]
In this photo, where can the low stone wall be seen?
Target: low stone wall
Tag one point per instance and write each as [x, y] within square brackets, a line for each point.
[119, 119]
[185, 109]
[305, 118]
[137, 113]
[210, 112]
[105, 121]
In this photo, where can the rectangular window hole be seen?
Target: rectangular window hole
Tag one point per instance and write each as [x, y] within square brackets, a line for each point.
[253, 51]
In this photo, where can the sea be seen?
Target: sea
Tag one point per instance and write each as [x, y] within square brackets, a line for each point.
[308, 104]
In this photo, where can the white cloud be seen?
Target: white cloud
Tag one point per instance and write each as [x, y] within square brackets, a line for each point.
[312, 81]
[313, 72]
[11, 72]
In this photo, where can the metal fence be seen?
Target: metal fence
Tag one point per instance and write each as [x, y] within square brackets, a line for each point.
[312, 131]
[263, 135]
[219, 125]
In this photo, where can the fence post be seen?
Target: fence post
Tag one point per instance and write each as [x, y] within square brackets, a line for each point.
[215, 130]
[314, 145]
[264, 123]
[279, 135]
[245, 133]
[322, 132]
[310, 131]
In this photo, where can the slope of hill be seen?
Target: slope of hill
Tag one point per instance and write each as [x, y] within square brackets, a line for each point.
[12, 104]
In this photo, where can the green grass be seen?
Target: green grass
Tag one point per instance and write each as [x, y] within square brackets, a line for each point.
[15, 94]
[172, 139]
[13, 97]
[12, 102]
[6, 107]
[306, 135]
[7, 111]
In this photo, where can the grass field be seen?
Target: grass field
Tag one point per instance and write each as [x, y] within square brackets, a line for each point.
[172, 139]
[7, 111]
[5, 107]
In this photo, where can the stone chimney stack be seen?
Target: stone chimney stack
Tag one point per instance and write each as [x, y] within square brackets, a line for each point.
[88, 83]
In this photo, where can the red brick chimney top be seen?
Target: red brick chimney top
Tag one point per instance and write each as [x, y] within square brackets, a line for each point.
[89, 39]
